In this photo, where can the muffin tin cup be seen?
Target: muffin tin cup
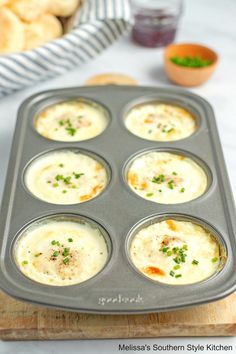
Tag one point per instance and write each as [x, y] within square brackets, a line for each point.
[174, 151]
[118, 288]
[136, 103]
[94, 104]
[88, 153]
[64, 217]
[178, 217]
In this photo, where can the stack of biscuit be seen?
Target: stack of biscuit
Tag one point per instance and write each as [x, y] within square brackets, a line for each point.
[27, 24]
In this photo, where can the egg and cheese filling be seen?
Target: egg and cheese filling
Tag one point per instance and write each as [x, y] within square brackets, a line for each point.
[160, 122]
[175, 252]
[71, 121]
[66, 177]
[167, 178]
[61, 252]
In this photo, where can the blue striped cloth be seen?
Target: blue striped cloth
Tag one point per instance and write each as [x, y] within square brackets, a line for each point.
[99, 24]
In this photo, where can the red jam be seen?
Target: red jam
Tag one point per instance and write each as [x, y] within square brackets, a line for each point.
[155, 22]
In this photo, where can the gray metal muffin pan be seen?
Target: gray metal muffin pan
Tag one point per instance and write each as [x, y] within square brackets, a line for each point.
[119, 287]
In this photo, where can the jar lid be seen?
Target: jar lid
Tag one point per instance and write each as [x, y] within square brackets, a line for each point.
[156, 4]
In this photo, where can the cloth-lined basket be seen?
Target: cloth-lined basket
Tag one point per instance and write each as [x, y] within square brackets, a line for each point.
[98, 24]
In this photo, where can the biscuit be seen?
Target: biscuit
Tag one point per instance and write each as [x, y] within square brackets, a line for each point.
[109, 79]
[44, 29]
[63, 8]
[29, 10]
[12, 36]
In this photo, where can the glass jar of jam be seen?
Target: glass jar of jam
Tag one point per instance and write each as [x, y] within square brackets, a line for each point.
[156, 21]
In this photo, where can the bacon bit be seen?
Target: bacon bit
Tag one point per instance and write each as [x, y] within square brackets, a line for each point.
[154, 270]
[132, 178]
[176, 180]
[144, 185]
[85, 123]
[171, 225]
[166, 240]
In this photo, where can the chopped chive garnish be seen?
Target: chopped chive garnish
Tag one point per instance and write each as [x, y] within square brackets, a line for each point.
[59, 177]
[170, 130]
[160, 190]
[78, 175]
[191, 61]
[68, 122]
[178, 276]
[54, 242]
[165, 249]
[172, 273]
[67, 180]
[149, 194]
[182, 190]
[66, 260]
[194, 262]
[70, 239]
[61, 165]
[174, 173]
[64, 191]
[61, 122]
[66, 252]
[55, 185]
[24, 263]
[158, 179]
[37, 254]
[177, 260]
[177, 266]
[169, 253]
[215, 259]
[55, 254]
[185, 247]
[71, 131]
[175, 250]
[49, 182]
[171, 184]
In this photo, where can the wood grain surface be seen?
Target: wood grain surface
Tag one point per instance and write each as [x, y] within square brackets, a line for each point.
[21, 321]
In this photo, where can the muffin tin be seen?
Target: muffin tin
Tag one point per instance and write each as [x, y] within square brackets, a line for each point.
[119, 287]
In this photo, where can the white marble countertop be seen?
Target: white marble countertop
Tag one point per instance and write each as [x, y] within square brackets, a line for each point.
[210, 22]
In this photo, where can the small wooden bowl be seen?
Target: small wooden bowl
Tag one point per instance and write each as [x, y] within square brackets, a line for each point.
[186, 76]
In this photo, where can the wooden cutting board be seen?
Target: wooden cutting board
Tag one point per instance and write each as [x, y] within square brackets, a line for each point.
[21, 321]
